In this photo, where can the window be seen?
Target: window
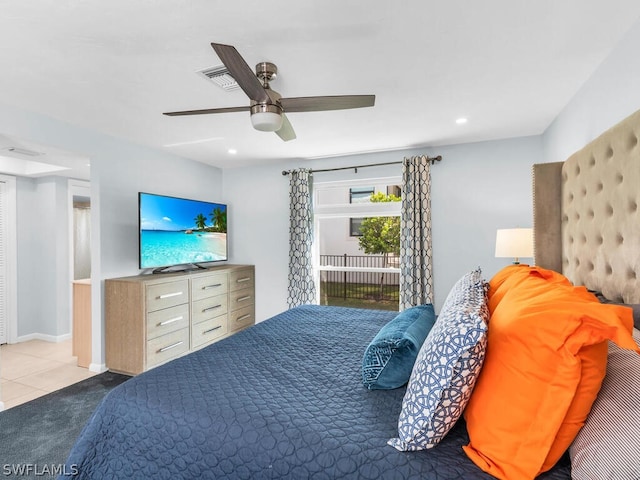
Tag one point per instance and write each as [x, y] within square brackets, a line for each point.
[394, 190]
[354, 227]
[345, 274]
[360, 194]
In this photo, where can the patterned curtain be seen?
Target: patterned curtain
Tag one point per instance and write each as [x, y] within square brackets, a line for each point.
[302, 289]
[416, 276]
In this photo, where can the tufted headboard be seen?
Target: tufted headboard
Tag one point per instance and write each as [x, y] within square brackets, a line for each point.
[587, 216]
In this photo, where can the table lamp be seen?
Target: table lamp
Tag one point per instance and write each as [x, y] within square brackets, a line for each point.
[515, 243]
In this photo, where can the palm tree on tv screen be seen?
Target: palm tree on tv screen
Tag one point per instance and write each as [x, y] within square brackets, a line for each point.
[201, 221]
[219, 219]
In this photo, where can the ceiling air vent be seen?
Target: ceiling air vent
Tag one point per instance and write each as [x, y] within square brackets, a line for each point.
[221, 77]
[23, 151]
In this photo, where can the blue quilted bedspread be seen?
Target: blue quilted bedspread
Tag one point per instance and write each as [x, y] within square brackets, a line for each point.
[282, 399]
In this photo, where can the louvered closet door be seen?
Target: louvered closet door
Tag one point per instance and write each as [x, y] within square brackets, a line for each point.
[3, 262]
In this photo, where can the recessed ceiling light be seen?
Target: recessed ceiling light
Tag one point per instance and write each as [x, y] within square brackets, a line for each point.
[461, 121]
[232, 151]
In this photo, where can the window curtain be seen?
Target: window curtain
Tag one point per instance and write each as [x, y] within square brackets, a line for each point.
[302, 288]
[416, 272]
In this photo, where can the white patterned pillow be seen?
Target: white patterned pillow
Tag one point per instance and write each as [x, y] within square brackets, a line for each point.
[447, 367]
[608, 444]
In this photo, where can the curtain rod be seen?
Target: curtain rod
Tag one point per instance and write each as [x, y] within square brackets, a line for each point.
[356, 167]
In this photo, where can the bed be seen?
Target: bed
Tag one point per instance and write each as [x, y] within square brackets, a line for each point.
[284, 398]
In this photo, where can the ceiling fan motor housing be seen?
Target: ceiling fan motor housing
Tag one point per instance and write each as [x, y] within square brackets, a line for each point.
[266, 71]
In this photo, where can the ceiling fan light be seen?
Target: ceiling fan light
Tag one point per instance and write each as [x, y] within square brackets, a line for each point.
[266, 121]
[266, 118]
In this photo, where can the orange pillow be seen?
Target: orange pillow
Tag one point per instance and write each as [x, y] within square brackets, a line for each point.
[502, 281]
[510, 276]
[545, 361]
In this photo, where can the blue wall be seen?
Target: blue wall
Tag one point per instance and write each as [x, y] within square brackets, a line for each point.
[477, 188]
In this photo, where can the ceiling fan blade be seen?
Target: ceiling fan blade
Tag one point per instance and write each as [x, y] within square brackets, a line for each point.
[317, 104]
[207, 111]
[286, 132]
[241, 72]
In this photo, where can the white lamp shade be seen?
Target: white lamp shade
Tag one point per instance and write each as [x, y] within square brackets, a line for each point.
[514, 242]
[266, 121]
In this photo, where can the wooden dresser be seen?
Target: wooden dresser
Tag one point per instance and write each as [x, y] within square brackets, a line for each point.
[151, 319]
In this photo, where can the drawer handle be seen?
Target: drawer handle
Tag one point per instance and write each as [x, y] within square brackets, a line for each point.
[169, 347]
[211, 308]
[243, 279]
[216, 285]
[171, 320]
[212, 329]
[243, 317]
[169, 295]
[242, 299]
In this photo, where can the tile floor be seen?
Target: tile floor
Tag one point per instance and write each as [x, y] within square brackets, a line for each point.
[31, 369]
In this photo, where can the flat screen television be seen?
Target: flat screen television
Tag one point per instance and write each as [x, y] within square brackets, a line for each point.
[180, 232]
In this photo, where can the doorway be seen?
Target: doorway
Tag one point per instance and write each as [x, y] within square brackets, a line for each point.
[80, 270]
[80, 235]
[8, 259]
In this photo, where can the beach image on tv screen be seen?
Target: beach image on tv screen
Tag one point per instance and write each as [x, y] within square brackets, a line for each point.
[177, 231]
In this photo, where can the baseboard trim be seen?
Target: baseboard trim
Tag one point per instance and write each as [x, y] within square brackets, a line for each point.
[98, 367]
[44, 337]
[1, 406]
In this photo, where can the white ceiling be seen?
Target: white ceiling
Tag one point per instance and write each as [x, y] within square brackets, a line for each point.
[509, 66]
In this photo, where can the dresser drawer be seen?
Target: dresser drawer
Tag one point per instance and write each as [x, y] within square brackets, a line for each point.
[209, 330]
[241, 318]
[165, 295]
[208, 308]
[239, 279]
[168, 320]
[166, 347]
[241, 298]
[209, 286]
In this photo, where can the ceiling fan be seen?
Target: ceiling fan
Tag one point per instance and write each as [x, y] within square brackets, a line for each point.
[268, 107]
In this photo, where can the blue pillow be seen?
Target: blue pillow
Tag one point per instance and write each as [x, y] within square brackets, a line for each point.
[389, 358]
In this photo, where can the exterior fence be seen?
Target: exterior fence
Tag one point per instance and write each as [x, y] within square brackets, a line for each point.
[359, 285]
